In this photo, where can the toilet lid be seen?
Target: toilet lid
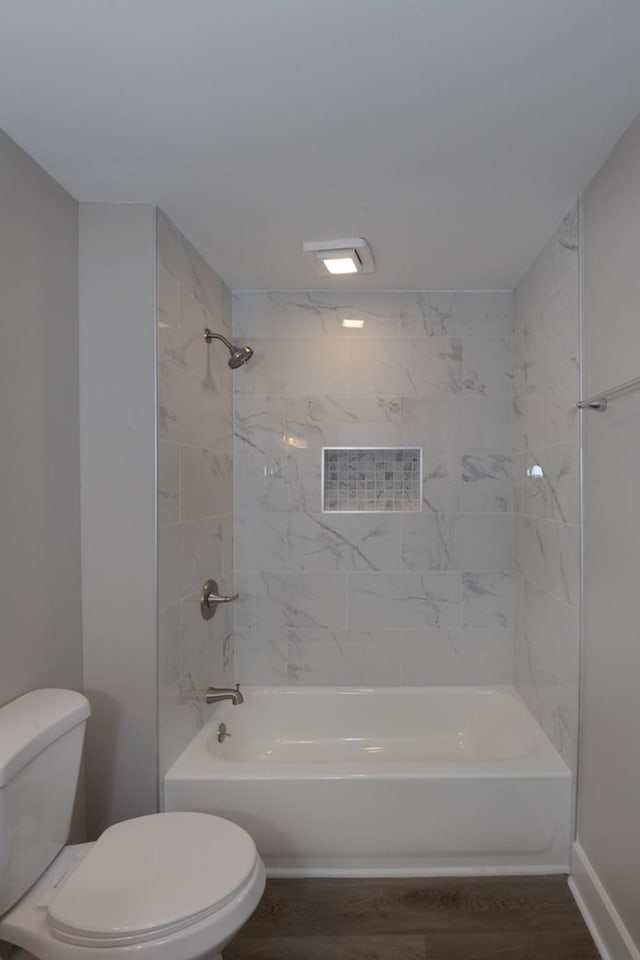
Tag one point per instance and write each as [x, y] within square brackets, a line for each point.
[152, 876]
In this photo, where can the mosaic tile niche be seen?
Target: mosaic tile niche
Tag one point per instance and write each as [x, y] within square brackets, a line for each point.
[369, 479]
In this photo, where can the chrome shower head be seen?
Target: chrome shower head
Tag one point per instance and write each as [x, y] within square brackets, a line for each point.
[239, 355]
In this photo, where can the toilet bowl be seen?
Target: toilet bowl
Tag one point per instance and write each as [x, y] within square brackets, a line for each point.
[168, 886]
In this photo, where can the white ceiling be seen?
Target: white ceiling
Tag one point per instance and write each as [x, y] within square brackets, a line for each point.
[452, 134]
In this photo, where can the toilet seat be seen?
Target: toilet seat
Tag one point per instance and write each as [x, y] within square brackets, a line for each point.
[151, 877]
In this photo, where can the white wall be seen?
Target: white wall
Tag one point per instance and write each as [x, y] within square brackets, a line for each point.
[607, 855]
[40, 620]
[118, 471]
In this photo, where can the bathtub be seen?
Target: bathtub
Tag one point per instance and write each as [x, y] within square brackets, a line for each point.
[386, 781]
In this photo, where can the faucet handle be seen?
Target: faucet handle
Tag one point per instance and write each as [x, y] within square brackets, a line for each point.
[210, 598]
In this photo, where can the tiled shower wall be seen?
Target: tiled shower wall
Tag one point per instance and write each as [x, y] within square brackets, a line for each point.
[195, 485]
[546, 485]
[414, 598]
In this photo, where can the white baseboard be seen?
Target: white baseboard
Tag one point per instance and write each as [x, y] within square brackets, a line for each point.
[609, 933]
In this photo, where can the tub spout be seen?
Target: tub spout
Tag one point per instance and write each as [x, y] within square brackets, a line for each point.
[214, 694]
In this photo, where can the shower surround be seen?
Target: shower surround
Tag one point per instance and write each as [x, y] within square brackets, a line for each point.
[387, 598]
[547, 487]
[195, 485]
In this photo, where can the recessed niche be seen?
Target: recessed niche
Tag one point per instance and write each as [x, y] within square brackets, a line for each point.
[371, 479]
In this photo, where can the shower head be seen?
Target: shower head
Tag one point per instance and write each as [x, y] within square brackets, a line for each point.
[239, 355]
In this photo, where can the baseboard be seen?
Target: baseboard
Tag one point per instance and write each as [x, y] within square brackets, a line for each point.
[609, 933]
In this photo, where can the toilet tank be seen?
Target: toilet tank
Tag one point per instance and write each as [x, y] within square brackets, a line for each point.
[41, 735]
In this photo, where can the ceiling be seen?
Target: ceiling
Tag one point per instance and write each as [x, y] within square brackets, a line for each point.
[452, 134]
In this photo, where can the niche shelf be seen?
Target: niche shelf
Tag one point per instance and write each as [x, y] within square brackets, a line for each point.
[371, 479]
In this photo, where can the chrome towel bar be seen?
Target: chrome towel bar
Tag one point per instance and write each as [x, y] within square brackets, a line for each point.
[601, 400]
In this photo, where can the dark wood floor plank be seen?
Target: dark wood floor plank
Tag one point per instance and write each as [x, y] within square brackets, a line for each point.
[415, 906]
[510, 945]
[327, 948]
[492, 918]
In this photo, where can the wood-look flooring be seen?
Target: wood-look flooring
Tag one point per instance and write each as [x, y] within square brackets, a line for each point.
[506, 918]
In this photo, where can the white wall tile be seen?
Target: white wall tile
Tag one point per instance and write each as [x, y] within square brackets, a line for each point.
[168, 482]
[261, 656]
[487, 366]
[457, 656]
[428, 367]
[546, 487]
[343, 542]
[195, 467]
[342, 658]
[395, 382]
[487, 599]
[404, 600]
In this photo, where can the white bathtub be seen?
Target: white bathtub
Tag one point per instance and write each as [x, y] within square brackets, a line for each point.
[383, 781]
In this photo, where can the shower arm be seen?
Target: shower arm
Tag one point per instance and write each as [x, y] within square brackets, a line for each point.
[209, 335]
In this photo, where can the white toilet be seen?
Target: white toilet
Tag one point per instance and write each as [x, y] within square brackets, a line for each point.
[169, 886]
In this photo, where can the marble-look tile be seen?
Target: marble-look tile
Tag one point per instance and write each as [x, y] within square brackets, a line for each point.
[553, 703]
[568, 242]
[223, 644]
[486, 423]
[461, 314]
[294, 367]
[441, 483]
[190, 553]
[265, 484]
[301, 477]
[261, 656]
[539, 282]
[260, 540]
[484, 541]
[181, 259]
[319, 313]
[427, 367]
[548, 554]
[550, 335]
[259, 424]
[171, 576]
[316, 421]
[550, 629]
[546, 414]
[457, 656]
[195, 642]
[168, 300]
[547, 483]
[206, 483]
[291, 599]
[428, 541]
[191, 409]
[486, 483]
[194, 409]
[276, 484]
[432, 423]
[487, 599]
[179, 719]
[487, 366]
[343, 542]
[257, 313]
[168, 646]
[343, 658]
[168, 482]
[403, 600]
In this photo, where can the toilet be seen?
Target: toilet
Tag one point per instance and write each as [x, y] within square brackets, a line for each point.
[168, 886]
